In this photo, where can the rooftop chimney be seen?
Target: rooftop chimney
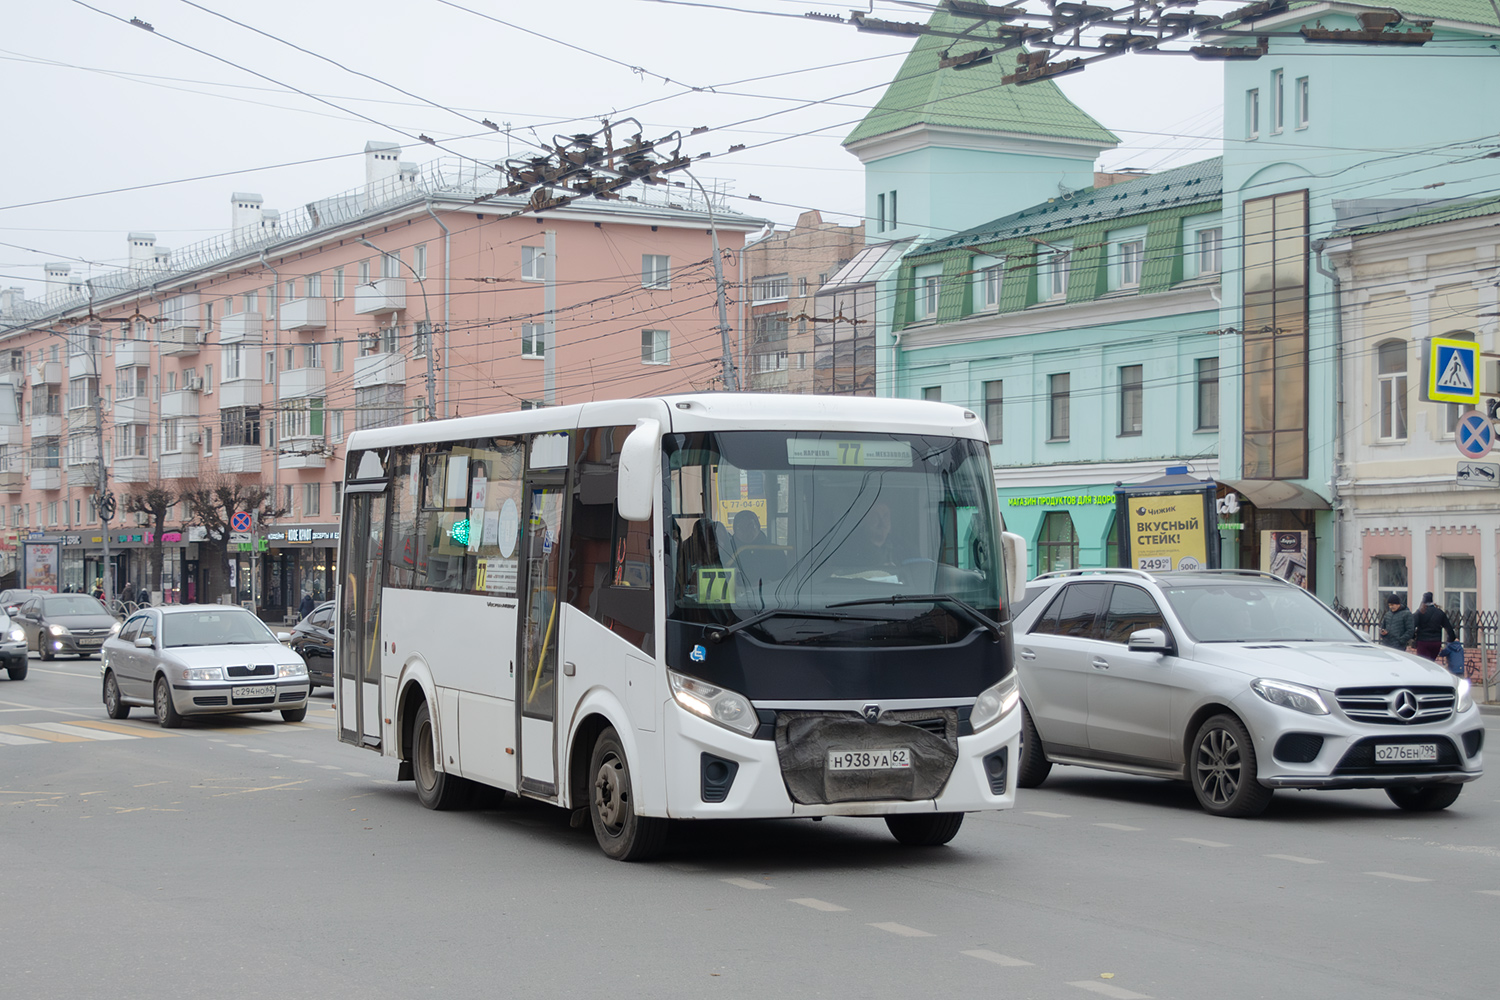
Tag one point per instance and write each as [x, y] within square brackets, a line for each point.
[142, 249]
[382, 162]
[246, 214]
[56, 273]
[11, 298]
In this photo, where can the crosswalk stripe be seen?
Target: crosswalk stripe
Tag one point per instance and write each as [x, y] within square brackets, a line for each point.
[17, 741]
[67, 730]
[63, 737]
[142, 730]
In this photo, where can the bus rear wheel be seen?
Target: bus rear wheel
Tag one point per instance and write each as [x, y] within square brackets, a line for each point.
[924, 829]
[436, 789]
[622, 834]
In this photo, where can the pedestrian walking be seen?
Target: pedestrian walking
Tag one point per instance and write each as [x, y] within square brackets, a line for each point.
[1396, 628]
[1431, 626]
[307, 605]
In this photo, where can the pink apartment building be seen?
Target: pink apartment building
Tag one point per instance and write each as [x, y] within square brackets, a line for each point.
[255, 353]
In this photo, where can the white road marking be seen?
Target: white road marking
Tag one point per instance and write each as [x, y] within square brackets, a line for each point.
[356, 774]
[1047, 815]
[17, 741]
[1108, 990]
[1489, 892]
[253, 750]
[283, 756]
[1398, 878]
[745, 883]
[238, 746]
[329, 767]
[901, 929]
[818, 904]
[1200, 843]
[997, 959]
[1119, 826]
[88, 734]
[1293, 857]
[303, 760]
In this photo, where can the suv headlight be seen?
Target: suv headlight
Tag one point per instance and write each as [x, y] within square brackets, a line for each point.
[58, 629]
[292, 670]
[203, 674]
[1463, 694]
[1297, 697]
[727, 708]
[17, 635]
[995, 703]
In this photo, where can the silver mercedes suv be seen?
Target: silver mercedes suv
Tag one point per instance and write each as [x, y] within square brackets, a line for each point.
[1237, 682]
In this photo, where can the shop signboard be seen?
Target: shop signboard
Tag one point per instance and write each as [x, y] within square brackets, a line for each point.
[42, 566]
[1168, 529]
[1285, 554]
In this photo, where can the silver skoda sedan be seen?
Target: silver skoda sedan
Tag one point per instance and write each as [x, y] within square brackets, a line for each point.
[1237, 682]
[201, 659]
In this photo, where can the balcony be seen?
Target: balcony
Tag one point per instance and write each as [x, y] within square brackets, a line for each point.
[129, 353]
[240, 458]
[303, 314]
[180, 341]
[299, 383]
[84, 419]
[12, 379]
[379, 369]
[182, 403]
[239, 392]
[135, 469]
[132, 410]
[384, 295]
[83, 366]
[49, 425]
[11, 482]
[10, 434]
[46, 479]
[179, 465]
[82, 474]
[302, 453]
[47, 373]
[240, 327]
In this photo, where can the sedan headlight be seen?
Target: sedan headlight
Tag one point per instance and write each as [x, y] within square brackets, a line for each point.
[292, 670]
[17, 635]
[1463, 694]
[58, 629]
[995, 703]
[115, 628]
[203, 674]
[1297, 697]
[728, 709]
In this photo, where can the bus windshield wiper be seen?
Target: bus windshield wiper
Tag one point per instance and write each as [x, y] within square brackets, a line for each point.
[981, 619]
[724, 633]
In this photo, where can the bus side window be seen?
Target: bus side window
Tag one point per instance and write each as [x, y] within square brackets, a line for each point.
[609, 559]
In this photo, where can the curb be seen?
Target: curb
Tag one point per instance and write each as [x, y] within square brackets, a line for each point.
[1486, 708]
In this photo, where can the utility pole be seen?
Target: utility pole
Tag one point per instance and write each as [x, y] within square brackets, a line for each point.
[731, 380]
[104, 501]
[549, 318]
[427, 324]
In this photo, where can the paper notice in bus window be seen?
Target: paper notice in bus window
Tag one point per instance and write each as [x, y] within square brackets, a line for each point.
[476, 528]
[497, 576]
[480, 491]
[831, 451]
[492, 529]
[458, 481]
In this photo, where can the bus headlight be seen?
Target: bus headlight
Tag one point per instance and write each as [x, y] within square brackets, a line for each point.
[728, 709]
[995, 703]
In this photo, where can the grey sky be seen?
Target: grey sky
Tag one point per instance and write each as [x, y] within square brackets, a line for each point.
[96, 104]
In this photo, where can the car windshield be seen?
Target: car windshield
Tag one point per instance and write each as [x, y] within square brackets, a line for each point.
[72, 604]
[1245, 611]
[213, 628]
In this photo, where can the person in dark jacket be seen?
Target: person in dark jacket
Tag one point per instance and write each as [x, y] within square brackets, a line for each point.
[1431, 624]
[1396, 628]
[307, 604]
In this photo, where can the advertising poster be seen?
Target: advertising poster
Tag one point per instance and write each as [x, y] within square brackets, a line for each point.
[1284, 554]
[1166, 532]
[42, 566]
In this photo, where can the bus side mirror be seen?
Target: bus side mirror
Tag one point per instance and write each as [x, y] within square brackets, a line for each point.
[1014, 547]
[638, 480]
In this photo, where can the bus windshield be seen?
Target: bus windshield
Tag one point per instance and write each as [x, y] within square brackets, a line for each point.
[793, 522]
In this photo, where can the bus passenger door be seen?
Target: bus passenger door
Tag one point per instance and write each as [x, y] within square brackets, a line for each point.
[537, 679]
[362, 566]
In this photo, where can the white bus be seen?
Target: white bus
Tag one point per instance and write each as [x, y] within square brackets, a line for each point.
[690, 607]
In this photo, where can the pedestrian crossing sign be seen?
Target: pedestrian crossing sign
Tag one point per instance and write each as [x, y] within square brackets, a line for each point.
[1453, 371]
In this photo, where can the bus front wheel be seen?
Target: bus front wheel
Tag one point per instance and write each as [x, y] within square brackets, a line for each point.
[436, 789]
[622, 834]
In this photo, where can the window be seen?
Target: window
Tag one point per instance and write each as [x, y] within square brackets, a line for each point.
[390, 264]
[769, 288]
[234, 362]
[421, 338]
[239, 426]
[1131, 400]
[338, 495]
[131, 440]
[208, 317]
[312, 499]
[933, 394]
[364, 272]
[1057, 548]
[1252, 114]
[1210, 250]
[208, 378]
[81, 393]
[987, 286]
[1058, 266]
[302, 418]
[1278, 101]
[270, 367]
[251, 302]
[336, 426]
[1058, 391]
[338, 283]
[419, 261]
[170, 439]
[314, 286]
[289, 290]
[288, 359]
[1132, 254]
[1130, 610]
[929, 289]
[130, 383]
[379, 406]
[994, 421]
[1390, 578]
[1391, 389]
[286, 497]
[1208, 394]
[208, 440]
[312, 356]
[880, 225]
[802, 288]
[656, 271]
[533, 340]
[1461, 596]
[654, 347]
[1301, 102]
[338, 355]
[533, 264]
[894, 221]
[769, 328]
[1275, 359]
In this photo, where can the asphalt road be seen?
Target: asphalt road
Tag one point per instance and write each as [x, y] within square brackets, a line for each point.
[244, 857]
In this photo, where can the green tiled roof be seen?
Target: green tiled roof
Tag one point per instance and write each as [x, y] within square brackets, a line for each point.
[1467, 11]
[973, 98]
[1196, 183]
[1448, 211]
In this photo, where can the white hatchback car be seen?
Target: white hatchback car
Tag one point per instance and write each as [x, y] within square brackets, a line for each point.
[1237, 682]
[201, 659]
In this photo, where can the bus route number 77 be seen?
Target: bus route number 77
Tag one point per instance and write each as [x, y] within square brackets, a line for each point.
[715, 586]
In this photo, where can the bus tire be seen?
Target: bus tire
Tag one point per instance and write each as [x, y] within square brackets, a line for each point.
[436, 789]
[622, 834]
[924, 829]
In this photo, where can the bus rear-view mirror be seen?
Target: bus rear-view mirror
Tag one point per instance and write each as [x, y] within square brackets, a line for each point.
[638, 477]
[1014, 547]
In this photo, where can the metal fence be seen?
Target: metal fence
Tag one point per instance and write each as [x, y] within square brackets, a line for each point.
[1477, 630]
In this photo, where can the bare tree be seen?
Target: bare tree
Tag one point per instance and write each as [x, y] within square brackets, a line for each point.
[212, 500]
[156, 501]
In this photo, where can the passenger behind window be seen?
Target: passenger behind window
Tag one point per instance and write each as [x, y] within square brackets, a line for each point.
[760, 564]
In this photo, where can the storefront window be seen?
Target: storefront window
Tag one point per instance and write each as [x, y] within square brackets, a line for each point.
[1058, 547]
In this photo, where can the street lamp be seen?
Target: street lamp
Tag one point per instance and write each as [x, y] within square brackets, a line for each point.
[427, 310]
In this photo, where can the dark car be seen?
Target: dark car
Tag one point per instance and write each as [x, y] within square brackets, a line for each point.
[312, 640]
[11, 600]
[65, 623]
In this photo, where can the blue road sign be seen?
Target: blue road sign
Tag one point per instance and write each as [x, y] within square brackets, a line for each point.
[1474, 435]
[1453, 371]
